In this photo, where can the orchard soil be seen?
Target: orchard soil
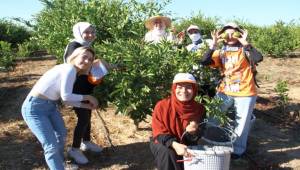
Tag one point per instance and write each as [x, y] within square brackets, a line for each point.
[274, 142]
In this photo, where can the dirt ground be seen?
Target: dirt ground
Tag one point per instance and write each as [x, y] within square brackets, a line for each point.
[274, 142]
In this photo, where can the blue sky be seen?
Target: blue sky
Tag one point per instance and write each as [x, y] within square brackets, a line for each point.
[260, 12]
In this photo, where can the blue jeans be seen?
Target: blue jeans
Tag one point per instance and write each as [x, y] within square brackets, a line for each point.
[243, 109]
[46, 123]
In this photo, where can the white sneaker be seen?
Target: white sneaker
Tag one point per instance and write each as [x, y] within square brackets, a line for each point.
[77, 155]
[69, 166]
[87, 145]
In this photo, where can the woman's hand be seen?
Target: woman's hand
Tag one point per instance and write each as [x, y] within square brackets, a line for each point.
[91, 101]
[192, 127]
[243, 38]
[86, 106]
[181, 149]
[180, 36]
[215, 38]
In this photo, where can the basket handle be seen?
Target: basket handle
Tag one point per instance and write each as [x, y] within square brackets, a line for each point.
[226, 130]
[181, 137]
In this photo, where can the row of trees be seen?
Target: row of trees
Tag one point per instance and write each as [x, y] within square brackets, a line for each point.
[15, 41]
[149, 69]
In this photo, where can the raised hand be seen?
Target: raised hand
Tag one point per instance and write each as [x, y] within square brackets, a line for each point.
[243, 38]
[215, 37]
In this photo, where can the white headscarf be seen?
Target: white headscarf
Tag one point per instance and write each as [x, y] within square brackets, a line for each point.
[78, 30]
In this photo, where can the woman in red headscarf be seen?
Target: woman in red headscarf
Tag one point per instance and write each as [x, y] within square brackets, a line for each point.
[172, 117]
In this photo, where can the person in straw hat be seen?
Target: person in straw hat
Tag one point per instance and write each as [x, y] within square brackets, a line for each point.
[157, 26]
[175, 122]
[198, 42]
[238, 86]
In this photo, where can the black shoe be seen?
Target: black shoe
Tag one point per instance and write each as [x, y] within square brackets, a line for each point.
[235, 156]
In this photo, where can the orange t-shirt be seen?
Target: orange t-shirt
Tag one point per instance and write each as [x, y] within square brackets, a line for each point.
[238, 78]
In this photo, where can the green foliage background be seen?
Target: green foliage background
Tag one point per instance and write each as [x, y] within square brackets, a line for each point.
[13, 33]
[6, 56]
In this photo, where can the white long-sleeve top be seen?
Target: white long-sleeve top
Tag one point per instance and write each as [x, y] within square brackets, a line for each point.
[153, 38]
[58, 83]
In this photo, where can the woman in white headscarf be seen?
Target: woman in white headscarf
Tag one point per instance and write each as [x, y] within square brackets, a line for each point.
[84, 34]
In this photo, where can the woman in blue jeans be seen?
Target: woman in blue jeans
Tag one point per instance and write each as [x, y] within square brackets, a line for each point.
[40, 110]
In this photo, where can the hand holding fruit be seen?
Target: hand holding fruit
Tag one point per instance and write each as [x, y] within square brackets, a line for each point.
[243, 38]
[236, 35]
[225, 36]
[192, 127]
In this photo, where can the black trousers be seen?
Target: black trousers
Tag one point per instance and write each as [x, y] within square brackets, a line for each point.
[165, 158]
[83, 128]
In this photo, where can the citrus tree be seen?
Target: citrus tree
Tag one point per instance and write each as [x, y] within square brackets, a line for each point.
[277, 39]
[6, 56]
[13, 33]
[114, 19]
[145, 75]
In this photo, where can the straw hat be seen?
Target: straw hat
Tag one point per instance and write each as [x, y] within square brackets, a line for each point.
[231, 25]
[150, 22]
[184, 78]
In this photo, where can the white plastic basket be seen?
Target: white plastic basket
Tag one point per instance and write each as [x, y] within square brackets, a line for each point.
[215, 154]
[209, 158]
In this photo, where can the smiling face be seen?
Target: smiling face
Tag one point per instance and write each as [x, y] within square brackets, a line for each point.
[89, 34]
[84, 60]
[184, 91]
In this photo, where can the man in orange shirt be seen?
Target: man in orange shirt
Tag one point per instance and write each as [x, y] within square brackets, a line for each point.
[238, 85]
